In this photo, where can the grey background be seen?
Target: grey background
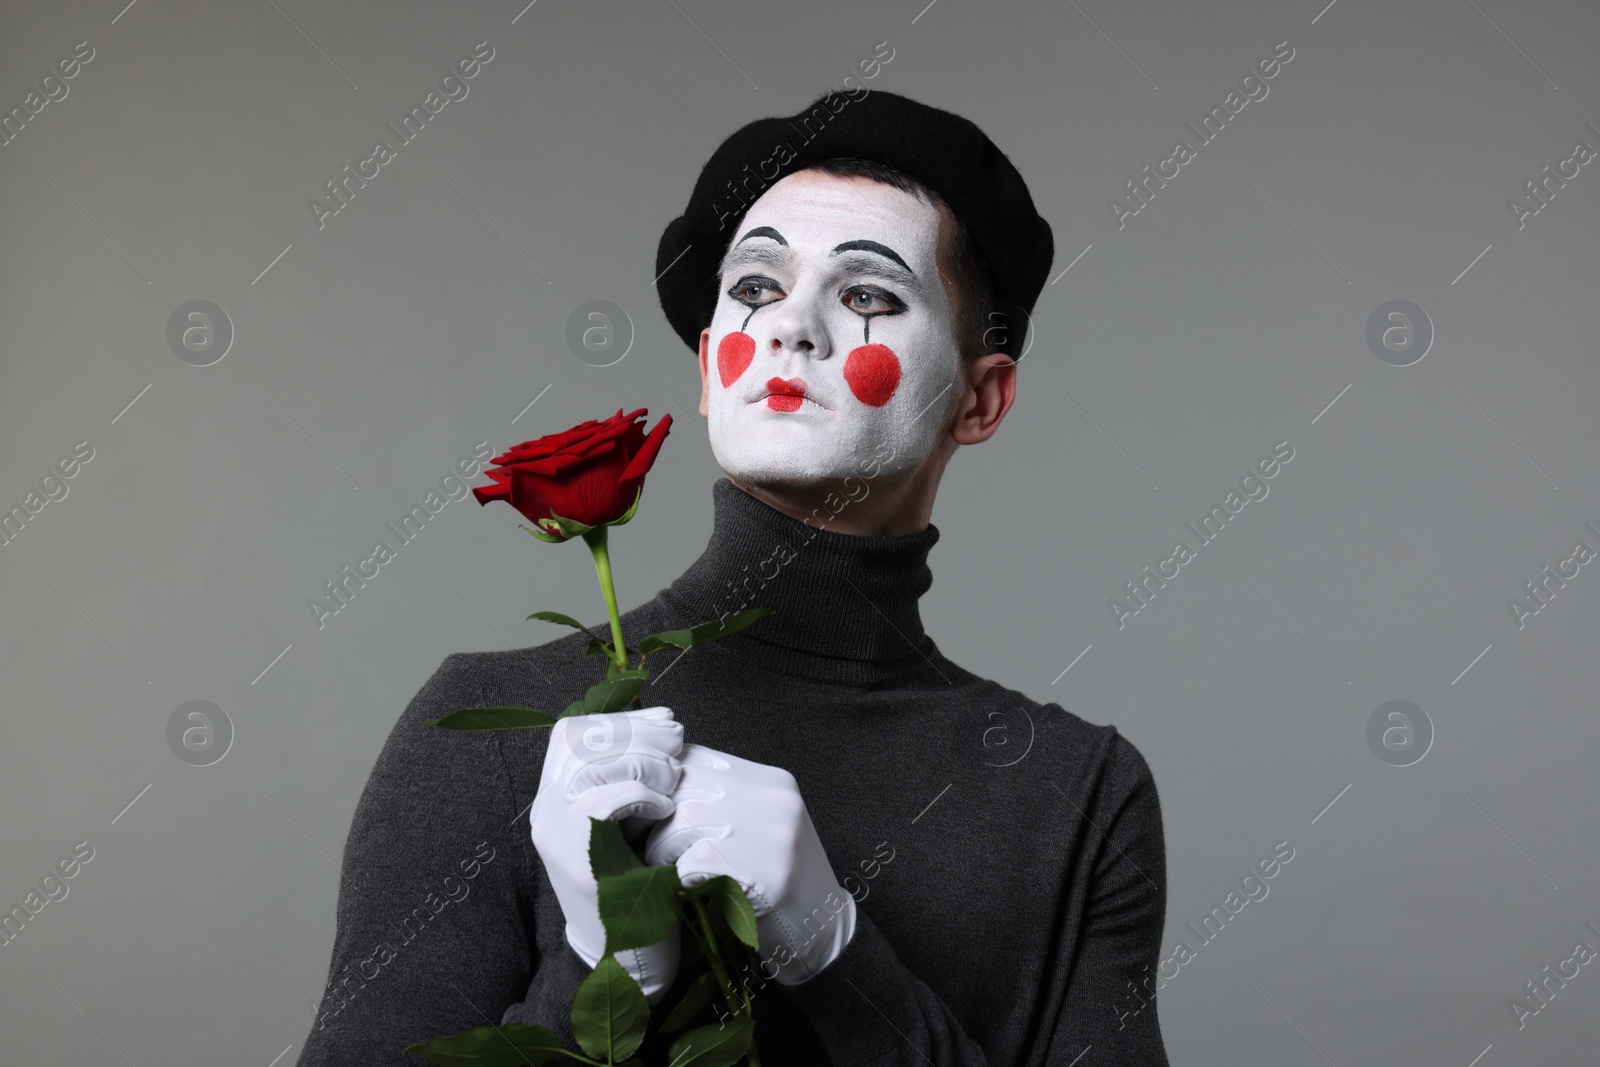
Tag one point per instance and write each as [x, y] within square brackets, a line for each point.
[379, 350]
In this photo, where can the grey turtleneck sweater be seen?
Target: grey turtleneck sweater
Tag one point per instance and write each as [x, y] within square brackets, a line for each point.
[1006, 856]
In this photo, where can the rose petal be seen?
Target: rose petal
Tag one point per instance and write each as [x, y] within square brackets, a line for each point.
[645, 458]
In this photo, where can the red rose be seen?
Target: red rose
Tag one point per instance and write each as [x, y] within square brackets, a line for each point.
[591, 474]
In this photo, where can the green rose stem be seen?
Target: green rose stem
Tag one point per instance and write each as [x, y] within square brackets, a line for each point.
[709, 938]
[740, 1004]
[596, 540]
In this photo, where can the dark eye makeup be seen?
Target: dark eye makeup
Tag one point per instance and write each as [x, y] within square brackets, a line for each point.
[747, 289]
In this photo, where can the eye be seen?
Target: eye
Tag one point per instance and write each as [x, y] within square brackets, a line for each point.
[747, 291]
[870, 301]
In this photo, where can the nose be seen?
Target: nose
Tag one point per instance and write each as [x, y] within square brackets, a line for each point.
[797, 326]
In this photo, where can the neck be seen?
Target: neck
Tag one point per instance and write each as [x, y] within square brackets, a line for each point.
[845, 605]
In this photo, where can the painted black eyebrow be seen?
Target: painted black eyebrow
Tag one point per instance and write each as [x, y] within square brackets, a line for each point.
[763, 231]
[872, 246]
[768, 254]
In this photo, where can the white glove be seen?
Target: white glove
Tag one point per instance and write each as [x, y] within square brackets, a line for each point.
[748, 821]
[623, 766]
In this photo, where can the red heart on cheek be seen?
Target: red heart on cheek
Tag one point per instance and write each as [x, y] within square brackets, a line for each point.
[734, 353]
[873, 374]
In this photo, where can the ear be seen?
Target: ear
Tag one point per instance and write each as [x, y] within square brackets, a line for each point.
[705, 378]
[991, 389]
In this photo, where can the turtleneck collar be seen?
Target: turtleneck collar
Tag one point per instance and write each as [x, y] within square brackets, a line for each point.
[845, 604]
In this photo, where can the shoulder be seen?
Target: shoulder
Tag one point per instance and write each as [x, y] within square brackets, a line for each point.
[457, 677]
[417, 750]
[534, 676]
[428, 779]
[1070, 734]
[1096, 764]
[415, 747]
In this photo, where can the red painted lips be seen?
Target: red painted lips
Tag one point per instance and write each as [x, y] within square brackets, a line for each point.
[785, 395]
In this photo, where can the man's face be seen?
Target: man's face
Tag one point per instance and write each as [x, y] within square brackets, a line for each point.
[830, 352]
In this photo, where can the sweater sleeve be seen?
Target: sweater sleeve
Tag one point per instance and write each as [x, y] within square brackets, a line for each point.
[431, 937]
[1117, 945]
[867, 981]
[1110, 1003]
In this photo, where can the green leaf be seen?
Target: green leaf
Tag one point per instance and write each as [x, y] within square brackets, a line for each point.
[495, 718]
[722, 627]
[727, 900]
[570, 527]
[614, 693]
[541, 535]
[739, 620]
[667, 639]
[696, 997]
[566, 620]
[608, 694]
[713, 1046]
[705, 631]
[639, 906]
[609, 853]
[598, 647]
[609, 1012]
[508, 1045]
[627, 516]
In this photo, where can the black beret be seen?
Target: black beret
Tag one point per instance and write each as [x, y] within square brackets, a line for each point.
[947, 153]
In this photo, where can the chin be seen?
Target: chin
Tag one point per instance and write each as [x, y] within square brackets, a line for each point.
[776, 474]
[771, 450]
[777, 451]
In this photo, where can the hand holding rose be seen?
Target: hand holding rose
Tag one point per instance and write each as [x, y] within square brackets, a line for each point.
[609, 775]
[748, 821]
[621, 765]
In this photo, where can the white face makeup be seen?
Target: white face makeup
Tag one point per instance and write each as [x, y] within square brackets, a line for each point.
[830, 351]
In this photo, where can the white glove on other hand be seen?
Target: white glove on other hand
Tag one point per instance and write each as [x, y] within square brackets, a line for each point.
[748, 821]
[623, 766]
